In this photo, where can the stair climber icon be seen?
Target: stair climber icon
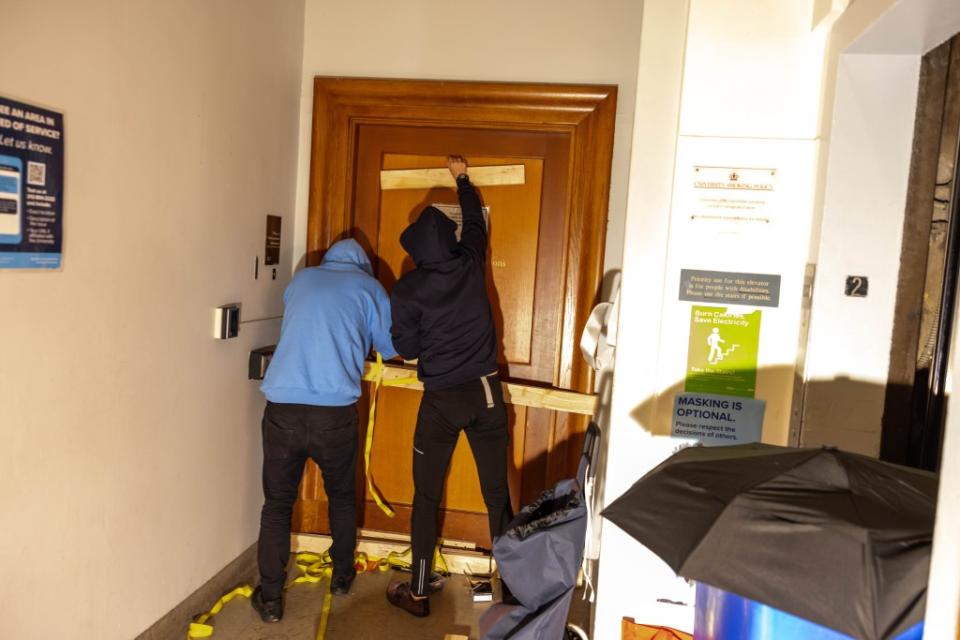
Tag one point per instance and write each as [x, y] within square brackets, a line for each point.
[717, 353]
[729, 351]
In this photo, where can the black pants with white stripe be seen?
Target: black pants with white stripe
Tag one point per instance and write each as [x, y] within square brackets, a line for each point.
[477, 408]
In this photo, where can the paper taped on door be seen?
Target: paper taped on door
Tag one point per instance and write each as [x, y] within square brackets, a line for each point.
[453, 212]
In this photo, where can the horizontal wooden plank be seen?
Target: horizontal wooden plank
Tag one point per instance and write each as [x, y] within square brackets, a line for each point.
[459, 560]
[428, 178]
[554, 399]
[513, 393]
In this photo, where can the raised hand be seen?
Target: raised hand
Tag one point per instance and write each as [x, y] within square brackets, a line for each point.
[457, 166]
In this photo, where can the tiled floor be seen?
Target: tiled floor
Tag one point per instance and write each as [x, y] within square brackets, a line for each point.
[364, 614]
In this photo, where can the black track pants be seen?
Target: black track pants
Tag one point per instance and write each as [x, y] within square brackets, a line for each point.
[477, 408]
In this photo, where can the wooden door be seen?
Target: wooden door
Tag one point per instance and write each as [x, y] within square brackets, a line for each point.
[546, 252]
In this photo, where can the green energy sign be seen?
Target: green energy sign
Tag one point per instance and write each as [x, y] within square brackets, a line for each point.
[722, 354]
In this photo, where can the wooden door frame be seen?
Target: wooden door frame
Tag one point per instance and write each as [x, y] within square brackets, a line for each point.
[586, 112]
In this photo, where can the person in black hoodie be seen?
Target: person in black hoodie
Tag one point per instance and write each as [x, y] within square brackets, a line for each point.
[441, 316]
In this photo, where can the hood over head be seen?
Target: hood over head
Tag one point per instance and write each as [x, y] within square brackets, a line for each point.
[432, 237]
[350, 252]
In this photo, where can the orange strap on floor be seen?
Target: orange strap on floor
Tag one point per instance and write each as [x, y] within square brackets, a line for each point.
[375, 375]
[630, 630]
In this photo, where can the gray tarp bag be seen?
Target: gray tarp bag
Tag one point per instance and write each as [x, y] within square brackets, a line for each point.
[539, 557]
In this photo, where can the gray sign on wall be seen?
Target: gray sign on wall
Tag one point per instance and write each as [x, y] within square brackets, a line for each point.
[751, 289]
[716, 419]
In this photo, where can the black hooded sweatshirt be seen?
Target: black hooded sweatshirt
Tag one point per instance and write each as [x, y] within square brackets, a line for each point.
[441, 313]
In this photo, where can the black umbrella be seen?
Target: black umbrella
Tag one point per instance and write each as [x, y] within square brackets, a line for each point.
[836, 538]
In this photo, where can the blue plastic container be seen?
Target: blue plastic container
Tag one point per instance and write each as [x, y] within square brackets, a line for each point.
[721, 615]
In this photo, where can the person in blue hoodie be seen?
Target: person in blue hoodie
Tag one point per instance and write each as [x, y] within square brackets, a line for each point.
[333, 315]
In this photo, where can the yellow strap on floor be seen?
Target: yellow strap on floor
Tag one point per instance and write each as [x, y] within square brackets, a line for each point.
[199, 628]
[325, 614]
[314, 568]
[376, 377]
[403, 561]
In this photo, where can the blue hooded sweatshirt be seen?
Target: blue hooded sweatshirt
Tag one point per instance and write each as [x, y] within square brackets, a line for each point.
[332, 315]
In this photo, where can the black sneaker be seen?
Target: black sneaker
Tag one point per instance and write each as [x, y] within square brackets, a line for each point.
[399, 595]
[340, 584]
[269, 610]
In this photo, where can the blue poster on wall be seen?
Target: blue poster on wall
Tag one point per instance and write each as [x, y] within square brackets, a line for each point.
[31, 186]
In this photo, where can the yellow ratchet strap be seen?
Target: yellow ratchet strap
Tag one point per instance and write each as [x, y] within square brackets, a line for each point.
[403, 561]
[199, 627]
[314, 568]
[376, 377]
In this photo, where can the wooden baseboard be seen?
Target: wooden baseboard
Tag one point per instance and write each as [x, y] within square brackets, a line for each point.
[243, 570]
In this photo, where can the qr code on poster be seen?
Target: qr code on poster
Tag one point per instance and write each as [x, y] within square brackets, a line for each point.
[37, 174]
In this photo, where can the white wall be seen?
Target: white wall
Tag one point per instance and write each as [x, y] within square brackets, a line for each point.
[875, 56]
[899, 27]
[751, 75]
[943, 590]
[763, 83]
[751, 95]
[867, 119]
[631, 578]
[535, 40]
[131, 451]
[753, 70]
[861, 234]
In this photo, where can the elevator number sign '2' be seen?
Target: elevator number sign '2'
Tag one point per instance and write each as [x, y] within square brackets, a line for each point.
[857, 286]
